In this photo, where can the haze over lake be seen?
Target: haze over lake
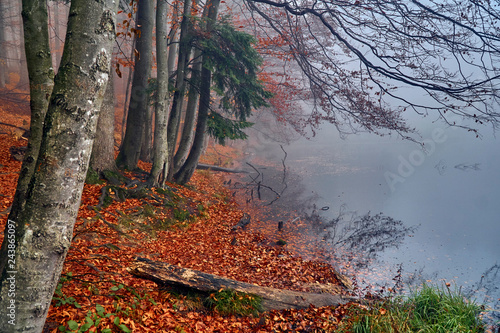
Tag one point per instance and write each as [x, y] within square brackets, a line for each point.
[450, 189]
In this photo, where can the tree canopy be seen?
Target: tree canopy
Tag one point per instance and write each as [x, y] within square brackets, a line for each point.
[366, 62]
[234, 63]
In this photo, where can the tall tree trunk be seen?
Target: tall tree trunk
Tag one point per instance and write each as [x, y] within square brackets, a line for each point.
[59, 21]
[3, 45]
[41, 74]
[180, 85]
[40, 236]
[18, 43]
[187, 170]
[160, 147]
[173, 37]
[103, 150]
[190, 116]
[23, 83]
[127, 95]
[9, 11]
[147, 139]
[132, 142]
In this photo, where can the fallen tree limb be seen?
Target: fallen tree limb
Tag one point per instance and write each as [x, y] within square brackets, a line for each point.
[21, 128]
[218, 168]
[272, 299]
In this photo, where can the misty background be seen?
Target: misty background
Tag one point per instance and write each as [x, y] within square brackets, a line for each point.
[446, 193]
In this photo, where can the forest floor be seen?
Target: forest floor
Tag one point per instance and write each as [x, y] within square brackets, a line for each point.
[189, 226]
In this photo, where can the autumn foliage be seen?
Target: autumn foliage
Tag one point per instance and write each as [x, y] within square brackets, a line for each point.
[188, 226]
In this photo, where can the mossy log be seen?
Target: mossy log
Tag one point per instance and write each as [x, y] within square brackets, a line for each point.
[272, 299]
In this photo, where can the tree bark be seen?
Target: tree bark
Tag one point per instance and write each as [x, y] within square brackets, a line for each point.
[147, 139]
[21, 63]
[159, 169]
[191, 116]
[3, 45]
[103, 150]
[41, 74]
[180, 85]
[187, 169]
[272, 298]
[132, 142]
[173, 39]
[39, 238]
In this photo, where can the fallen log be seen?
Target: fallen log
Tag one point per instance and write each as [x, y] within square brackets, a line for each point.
[218, 168]
[272, 299]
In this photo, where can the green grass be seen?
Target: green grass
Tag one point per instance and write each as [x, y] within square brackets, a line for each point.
[427, 310]
[230, 302]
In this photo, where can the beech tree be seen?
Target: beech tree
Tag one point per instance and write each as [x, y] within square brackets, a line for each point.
[159, 168]
[367, 62]
[103, 148]
[139, 102]
[40, 226]
[359, 62]
[200, 35]
[12, 57]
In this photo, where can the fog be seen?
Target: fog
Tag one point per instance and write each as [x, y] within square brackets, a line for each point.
[449, 189]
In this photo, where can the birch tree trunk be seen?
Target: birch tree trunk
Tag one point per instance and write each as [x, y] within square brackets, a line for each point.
[40, 236]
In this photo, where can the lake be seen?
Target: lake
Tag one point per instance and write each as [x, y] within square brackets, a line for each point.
[449, 190]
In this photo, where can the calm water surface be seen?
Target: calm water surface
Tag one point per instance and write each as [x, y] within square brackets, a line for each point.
[450, 190]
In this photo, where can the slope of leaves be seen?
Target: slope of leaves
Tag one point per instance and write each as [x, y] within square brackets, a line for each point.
[188, 226]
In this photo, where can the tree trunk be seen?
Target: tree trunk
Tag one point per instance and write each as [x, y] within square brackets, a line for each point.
[103, 150]
[190, 118]
[39, 238]
[36, 37]
[19, 60]
[173, 38]
[180, 84]
[187, 170]
[132, 142]
[9, 50]
[159, 169]
[3, 45]
[58, 31]
[147, 139]
[127, 95]
[272, 298]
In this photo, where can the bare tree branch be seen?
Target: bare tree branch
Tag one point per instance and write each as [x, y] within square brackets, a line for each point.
[367, 62]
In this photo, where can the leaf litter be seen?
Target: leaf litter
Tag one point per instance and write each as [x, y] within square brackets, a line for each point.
[95, 283]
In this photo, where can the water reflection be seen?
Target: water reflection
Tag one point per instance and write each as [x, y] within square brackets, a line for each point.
[486, 291]
[349, 240]
[356, 240]
[449, 188]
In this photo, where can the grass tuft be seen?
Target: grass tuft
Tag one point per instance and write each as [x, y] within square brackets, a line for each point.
[229, 302]
[428, 310]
